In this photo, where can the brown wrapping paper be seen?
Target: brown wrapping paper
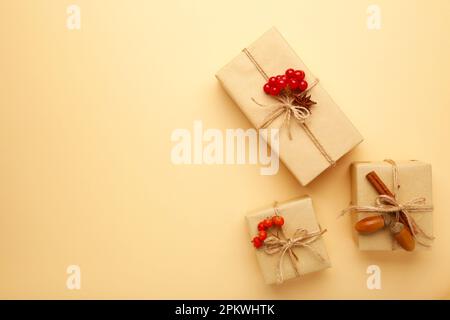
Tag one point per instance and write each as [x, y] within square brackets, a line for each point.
[297, 214]
[242, 81]
[415, 181]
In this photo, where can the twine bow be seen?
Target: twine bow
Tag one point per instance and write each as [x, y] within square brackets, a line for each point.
[286, 107]
[389, 205]
[300, 238]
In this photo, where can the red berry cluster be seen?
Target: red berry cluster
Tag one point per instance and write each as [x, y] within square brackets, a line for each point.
[275, 221]
[292, 79]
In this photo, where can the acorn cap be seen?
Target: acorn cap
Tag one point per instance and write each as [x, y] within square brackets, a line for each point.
[397, 227]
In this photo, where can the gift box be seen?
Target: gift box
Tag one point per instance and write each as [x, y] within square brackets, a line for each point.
[310, 144]
[294, 249]
[410, 186]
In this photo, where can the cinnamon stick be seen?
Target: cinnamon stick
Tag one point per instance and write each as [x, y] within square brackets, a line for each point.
[382, 189]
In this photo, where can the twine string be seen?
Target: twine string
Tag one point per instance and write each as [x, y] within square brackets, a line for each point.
[252, 59]
[284, 245]
[390, 205]
[285, 106]
[301, 238]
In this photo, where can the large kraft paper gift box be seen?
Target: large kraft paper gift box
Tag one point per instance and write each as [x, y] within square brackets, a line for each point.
[329, 128]
[414, 181]
[299, 221]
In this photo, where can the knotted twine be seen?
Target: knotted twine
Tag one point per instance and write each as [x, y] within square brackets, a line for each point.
[389, 205]
[286, 107]
[301, 238]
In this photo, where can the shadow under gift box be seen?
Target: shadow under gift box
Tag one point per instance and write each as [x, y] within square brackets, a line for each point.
[298, 213]
[415, 181]
[333, 130]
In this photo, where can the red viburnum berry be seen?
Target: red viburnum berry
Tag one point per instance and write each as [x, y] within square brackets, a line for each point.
[268, 223]
[272, 81]
[290, 73]
[282, 84]
[262, 235]
[275, 90]
[257, 243]
[299, 75]
[293, 84]
[261, 226]
[278, 221]
[303, 85]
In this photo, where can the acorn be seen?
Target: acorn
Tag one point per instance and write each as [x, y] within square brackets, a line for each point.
[403, 236]
[373, 223]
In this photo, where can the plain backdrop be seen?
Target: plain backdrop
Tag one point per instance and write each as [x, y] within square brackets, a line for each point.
[85, 123]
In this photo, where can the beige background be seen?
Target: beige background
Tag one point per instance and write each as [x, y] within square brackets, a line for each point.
[86, 118]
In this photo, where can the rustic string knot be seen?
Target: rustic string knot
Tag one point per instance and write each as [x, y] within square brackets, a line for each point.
[297, 106]
[300, 238]
[302, 99]
[290, 105]
[390, 205]
[286, 107]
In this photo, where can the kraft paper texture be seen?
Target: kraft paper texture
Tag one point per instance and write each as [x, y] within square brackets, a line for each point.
[415, 181]
[242, 81]
[298, 213]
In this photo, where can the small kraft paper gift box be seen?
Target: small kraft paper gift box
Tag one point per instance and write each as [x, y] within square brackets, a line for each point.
[314, 132]
[288, 240]
[392, 205]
